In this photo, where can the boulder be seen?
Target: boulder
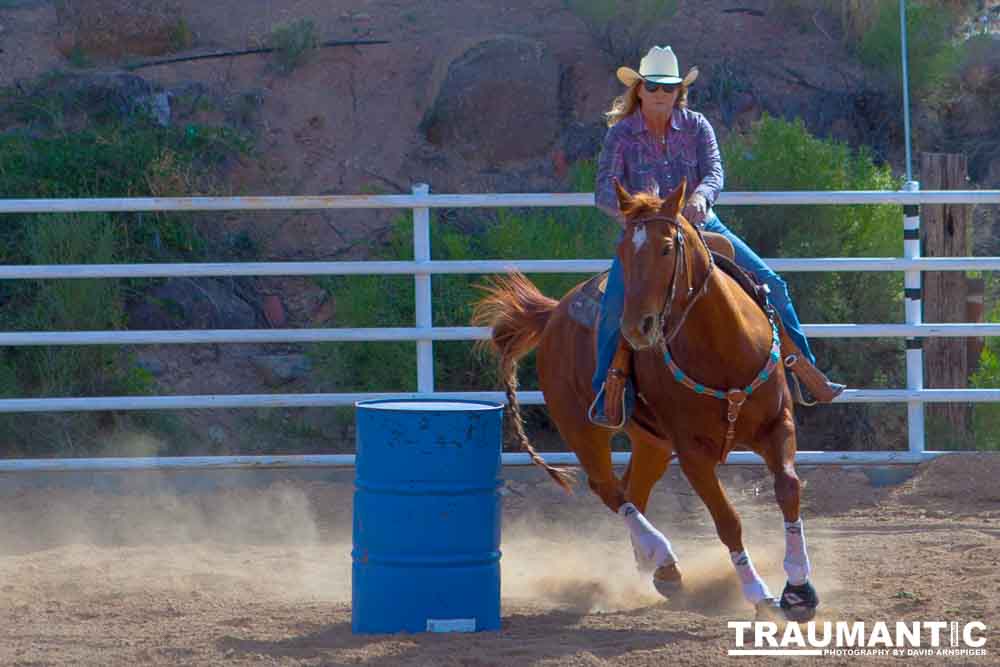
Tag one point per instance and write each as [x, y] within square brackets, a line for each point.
[274, 311]
[186, 303]
[109, 94]
[497, 102]
[279, 369]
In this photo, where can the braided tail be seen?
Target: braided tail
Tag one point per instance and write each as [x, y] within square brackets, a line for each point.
[517, 313]
[562, 477]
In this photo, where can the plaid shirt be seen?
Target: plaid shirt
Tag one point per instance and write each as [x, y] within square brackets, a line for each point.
[630, 155]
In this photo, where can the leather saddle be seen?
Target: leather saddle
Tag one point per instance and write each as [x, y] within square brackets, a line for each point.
[585, 308]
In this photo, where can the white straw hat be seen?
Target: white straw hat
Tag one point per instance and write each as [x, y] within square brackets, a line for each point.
[658, 66]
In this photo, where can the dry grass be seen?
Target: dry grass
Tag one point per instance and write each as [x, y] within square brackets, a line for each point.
[116, 28]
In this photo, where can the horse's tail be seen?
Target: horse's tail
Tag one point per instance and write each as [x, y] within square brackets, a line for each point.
[518, 313]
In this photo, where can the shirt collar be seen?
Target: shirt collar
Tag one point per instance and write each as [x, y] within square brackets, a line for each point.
[636, 124]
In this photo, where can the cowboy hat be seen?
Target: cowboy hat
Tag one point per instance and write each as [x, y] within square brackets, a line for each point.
[658, 66]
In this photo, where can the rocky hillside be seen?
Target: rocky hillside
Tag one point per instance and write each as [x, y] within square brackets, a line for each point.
[475, 96]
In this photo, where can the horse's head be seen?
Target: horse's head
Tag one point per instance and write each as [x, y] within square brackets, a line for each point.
[651, 252]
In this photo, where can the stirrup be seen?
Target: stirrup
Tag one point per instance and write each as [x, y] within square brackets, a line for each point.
[596, 411]
[795, 382]
[797, 395]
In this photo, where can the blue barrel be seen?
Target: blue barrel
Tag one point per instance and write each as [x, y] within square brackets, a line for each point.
[427, 513]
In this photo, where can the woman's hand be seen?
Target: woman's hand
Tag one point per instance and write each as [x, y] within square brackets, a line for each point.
[696, 209]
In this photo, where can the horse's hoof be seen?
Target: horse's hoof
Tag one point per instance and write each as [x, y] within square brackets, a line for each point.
[768, 609]
[799, 602]
[667, 580]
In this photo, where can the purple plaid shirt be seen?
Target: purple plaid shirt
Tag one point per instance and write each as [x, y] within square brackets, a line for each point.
[629, 154]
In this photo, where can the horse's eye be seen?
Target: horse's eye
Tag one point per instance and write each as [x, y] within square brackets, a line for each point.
[668, 245]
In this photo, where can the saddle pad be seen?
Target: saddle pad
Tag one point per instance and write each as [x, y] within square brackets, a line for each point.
[586, 305]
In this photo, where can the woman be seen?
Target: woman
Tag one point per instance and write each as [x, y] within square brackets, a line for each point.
[653, 142]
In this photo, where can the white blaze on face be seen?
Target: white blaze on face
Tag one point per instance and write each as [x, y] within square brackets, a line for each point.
[639, 238]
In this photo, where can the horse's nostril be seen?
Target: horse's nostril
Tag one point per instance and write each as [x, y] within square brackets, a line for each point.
[647, 325]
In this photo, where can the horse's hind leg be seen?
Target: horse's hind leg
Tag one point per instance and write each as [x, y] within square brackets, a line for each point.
[592, 446]
[799, 599]
[649, 461]
[566, 387]
[699, 468]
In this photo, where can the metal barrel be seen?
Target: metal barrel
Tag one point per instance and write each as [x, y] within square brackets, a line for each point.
[427, 511]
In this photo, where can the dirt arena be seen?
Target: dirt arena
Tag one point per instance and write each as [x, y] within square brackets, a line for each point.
[148, 573]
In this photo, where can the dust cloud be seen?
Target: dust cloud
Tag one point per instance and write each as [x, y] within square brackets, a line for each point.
[290, 540]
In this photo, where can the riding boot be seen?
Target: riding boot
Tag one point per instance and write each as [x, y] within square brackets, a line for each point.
[815, 381]
[614, 385]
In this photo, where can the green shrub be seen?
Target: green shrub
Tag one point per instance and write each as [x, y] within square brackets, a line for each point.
[986, 416]
[61, 305]
[388, 301]
[779, 155]
[97, 155]
[181, 36]
[932, 52]
[294, 43]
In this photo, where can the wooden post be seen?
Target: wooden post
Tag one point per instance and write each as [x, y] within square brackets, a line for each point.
[944, 234]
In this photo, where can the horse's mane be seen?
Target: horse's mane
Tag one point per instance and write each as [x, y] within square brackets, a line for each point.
[642, 203]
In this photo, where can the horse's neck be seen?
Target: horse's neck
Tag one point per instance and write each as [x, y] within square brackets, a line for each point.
[722, 342]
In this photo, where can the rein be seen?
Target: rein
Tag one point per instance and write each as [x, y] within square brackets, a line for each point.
[735, 398]
[693, 296]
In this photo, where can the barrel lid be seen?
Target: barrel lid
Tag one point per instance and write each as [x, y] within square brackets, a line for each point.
[428, 405]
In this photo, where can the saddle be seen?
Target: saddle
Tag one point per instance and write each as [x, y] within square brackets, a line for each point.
[757, 291]
[585, 308]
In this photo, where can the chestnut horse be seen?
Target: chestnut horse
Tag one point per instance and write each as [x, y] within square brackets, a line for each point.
[684, 319]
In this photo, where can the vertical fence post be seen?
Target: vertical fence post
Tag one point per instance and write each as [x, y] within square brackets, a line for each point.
[914, 346]
[422, 283]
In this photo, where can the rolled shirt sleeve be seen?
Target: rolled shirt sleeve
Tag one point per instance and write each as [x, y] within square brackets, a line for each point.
[709, 162]
[610, 165]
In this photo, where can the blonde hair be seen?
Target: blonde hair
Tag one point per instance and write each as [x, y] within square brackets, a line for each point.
[625, 104]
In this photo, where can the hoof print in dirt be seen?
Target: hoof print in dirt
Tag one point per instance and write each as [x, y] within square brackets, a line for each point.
[799, 602]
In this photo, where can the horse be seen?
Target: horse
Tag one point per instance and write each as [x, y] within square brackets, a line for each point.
[708, 372]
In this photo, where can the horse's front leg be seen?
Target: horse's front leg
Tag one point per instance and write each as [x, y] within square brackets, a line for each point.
[651, 548]
[799, 599]
[699, 467]
[653, 551]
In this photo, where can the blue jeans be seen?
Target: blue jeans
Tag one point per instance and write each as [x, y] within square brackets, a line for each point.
[613, 302]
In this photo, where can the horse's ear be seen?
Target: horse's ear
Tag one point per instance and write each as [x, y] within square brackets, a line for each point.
[674, 202]
[624, 198]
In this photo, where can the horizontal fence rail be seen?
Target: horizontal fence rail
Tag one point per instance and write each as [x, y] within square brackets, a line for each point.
[804, 197]
[177, 463]
[422, 267]
[220, 401]
[441, 267]
[402, 334]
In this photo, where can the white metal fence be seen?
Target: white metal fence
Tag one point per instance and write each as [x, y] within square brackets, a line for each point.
[424, 333]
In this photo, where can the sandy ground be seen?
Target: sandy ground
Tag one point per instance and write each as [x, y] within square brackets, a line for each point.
[245, 575]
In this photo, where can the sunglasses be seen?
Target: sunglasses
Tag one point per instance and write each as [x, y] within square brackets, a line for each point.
[652, 86]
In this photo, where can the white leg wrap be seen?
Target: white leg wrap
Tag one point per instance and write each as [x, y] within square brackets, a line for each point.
[796, 559]
[651, 548]
[754, 588]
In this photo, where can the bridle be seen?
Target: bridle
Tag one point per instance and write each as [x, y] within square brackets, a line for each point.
[668, 334]
[735, 397]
